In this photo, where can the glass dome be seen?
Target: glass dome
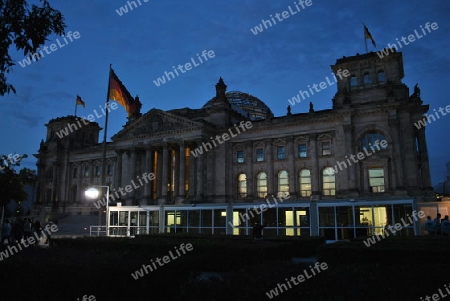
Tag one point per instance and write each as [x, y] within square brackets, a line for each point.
[246, 105]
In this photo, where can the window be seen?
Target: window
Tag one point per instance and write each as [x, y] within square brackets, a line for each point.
[97, 170]
[328, 181]
[261, 185]
[240, 156]
[281, 152]
[75, 173]
[326, 148]
[305, 182]
[367, 78]
[376, 180]
[242, 186]
[260, 154]
[283, 184]
[381, 76]
[86, 171]
[353, 81]
[109, 169]
[372, 141]
[302, 150]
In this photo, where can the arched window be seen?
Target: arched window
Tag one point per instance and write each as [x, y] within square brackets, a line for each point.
[261, 185]
[381, 76]
[353, 81]
[283, 183]
[367, 78]
[242, 186]
[304, 178]
[372, 141]
[328, 181]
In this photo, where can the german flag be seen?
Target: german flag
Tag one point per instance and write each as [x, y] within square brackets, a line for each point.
[80, 102]
[367, 35]
[119, 93]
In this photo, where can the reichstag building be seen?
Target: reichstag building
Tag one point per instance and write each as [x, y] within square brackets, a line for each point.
[343, 172]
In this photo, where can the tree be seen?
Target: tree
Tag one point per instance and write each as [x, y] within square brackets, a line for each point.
[28, 29]
[12, 183]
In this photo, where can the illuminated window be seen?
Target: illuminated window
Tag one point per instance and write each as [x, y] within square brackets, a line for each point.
[283, 183]
[261, 185]
[328, 181]
[305, 182]
[242, 186]
[376, 179]
[353, 81]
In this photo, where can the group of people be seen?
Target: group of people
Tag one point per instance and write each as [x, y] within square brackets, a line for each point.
[21, 229]
[438, 226]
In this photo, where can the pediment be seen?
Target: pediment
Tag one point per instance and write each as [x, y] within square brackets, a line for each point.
[157, 123]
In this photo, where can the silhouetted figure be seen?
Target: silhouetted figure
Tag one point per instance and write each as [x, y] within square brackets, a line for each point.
[437, 224]
[311, 107]
[257, 231]
[429, 226]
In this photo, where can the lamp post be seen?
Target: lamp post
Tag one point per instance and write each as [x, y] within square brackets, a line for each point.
[93, 194]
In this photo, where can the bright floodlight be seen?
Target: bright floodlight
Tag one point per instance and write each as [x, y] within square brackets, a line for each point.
[92, 193]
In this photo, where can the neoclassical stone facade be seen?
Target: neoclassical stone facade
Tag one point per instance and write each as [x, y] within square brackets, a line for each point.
[310, 156]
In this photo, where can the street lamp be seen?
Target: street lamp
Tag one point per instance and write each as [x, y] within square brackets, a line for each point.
[93, 193]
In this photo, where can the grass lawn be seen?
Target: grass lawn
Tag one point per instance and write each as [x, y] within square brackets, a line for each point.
[392, 269]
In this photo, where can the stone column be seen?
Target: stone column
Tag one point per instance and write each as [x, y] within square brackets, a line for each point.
[192, 173]
[424, 161]
[182, 169]
[132, 177]
[148, 169]
[249, 173]
[293, 190]
[125, 175]
[80, 193]
[199, 193]
[316, 191]
[270, 179]
[165, 171]
[118, 169]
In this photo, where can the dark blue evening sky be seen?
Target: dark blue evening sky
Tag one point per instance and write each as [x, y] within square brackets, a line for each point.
[272, 65]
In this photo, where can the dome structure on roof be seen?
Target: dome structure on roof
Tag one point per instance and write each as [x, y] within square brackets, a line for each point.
[246, 105]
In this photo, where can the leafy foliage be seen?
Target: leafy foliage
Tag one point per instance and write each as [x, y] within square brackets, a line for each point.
[12, 183]
[27, 29]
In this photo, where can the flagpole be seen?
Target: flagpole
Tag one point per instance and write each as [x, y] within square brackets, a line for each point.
[103, 176]
[105, 130]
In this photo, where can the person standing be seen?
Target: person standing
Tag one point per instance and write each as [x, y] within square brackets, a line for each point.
[257, 231]
[437, 224]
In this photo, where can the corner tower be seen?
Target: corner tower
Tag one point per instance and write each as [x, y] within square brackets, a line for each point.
[373, 78]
